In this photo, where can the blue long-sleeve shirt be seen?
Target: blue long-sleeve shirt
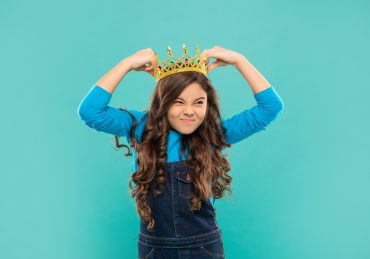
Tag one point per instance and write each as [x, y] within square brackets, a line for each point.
[95, 111]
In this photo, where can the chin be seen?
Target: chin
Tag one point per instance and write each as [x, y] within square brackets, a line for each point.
[186, 132]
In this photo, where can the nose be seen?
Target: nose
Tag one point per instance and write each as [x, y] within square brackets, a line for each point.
[188, 111]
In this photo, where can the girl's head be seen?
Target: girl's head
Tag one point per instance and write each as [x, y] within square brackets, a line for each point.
[186, 95]
[184, 100]
[188, 110]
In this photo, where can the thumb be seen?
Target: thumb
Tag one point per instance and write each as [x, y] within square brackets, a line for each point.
[148, 68]
[213, 66]
[150, 72]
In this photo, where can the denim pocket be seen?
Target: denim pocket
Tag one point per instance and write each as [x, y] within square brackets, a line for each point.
[145, 251]
[185, 182]
[214, 249]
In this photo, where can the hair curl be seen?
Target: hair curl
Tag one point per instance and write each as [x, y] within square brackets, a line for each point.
[209, 165]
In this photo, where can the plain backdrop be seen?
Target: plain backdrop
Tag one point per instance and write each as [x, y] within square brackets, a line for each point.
[300, 188]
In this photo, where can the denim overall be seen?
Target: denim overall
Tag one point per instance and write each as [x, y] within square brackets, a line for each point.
[178, 232]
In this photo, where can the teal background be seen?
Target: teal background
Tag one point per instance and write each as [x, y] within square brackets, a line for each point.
[300, 188]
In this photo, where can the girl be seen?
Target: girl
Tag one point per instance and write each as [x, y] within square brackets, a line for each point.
[179, 168]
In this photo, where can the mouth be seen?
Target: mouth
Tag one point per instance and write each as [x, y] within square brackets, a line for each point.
[187, 120]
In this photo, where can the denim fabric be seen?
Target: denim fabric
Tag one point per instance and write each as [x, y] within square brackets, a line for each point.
[178, 232]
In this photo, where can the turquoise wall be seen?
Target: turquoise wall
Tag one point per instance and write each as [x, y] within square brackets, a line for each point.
[300, 188]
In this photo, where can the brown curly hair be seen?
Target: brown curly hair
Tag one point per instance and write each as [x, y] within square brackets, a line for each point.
[209, 164]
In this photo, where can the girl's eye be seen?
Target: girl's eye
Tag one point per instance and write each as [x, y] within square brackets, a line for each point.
[180, 102]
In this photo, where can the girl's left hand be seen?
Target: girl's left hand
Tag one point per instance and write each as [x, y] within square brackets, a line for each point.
[223, 57]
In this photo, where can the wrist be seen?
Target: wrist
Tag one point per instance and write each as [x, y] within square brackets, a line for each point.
[239, 60]
[126, 64]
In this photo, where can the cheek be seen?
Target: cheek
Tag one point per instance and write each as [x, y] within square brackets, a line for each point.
[203, 112]
[172, 113]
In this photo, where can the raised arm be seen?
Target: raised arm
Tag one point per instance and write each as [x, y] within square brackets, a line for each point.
[269, 103]
[96, 113]
[94, 108]
[250, 121]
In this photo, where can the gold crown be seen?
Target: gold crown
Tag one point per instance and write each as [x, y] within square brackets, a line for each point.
[176, 65]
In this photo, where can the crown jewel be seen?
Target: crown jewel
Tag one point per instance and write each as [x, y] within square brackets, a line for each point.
[179, 64]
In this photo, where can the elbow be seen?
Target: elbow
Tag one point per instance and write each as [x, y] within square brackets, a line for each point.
[277, 110]
[271, 115]
[82, 112]
[87, 113]
[92, 117]
[282, 105]
[279, 104]
[278, 107]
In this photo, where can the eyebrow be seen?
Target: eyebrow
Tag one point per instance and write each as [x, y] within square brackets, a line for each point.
[195, 99]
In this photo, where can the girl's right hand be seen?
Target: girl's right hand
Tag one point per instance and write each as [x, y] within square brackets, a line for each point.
[142, 60]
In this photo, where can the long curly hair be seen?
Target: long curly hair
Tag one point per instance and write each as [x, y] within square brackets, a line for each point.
[205, 157]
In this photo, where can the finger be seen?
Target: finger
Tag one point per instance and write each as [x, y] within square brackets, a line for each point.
[213, 66]
[145, 67]
[211, 53]
[204, 55]
[149, 69]
[150, 73]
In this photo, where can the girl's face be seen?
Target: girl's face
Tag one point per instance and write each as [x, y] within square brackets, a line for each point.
[187, 112]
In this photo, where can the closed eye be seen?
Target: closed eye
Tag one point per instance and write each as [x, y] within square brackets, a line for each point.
[200, 102]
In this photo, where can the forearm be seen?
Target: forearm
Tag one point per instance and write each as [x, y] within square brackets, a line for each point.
[254, 78]
[111, 79]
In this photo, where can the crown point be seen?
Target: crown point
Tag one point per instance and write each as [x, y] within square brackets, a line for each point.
[191, 63]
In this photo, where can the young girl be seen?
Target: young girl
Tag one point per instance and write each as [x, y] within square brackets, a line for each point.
[179, 168]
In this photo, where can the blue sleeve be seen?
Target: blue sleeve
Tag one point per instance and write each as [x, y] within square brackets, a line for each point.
[250, 121]
[96, 113]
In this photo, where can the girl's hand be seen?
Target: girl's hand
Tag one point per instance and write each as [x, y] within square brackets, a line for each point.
[223, 57]
[142, 60]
